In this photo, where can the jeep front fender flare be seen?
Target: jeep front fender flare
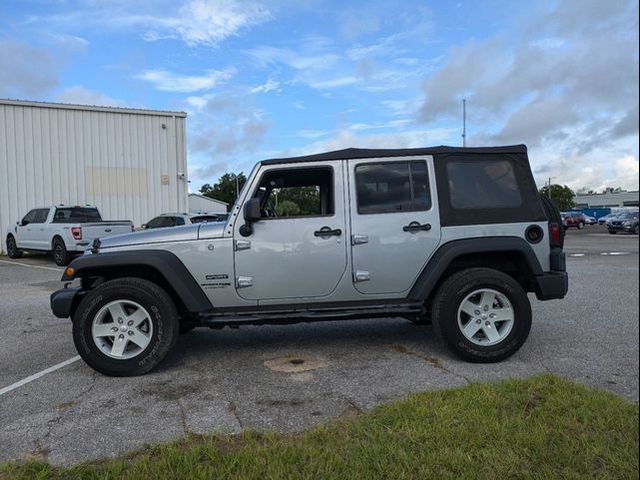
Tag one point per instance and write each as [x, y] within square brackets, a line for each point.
[165, 263]
[449, 251]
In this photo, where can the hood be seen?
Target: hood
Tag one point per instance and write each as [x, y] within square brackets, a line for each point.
[163, 235]
[154, 235]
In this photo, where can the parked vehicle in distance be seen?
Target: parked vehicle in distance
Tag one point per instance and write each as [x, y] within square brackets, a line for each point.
[178, 219]
[453, 236]
[61, 230]
[573, 219]
[604, 219]
[589, 220]
[624, 222]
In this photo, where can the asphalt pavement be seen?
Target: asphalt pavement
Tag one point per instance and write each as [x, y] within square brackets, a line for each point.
[288, 378]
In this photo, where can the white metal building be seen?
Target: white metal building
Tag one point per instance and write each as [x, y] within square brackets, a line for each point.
[608, 199]
[130, 163]
[202, 204]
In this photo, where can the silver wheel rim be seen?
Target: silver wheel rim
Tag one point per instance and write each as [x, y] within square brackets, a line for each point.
[122, 329]
[485, 317]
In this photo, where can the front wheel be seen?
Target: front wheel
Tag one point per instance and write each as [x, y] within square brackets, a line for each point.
[483, 315]
[12, 248]
[125, 327]
[60, 254]
[580, 226]
[612, 232]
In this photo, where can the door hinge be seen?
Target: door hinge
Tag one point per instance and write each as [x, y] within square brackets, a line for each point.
[357, 239]
[244, 282]
[242, 245]
[361, 276]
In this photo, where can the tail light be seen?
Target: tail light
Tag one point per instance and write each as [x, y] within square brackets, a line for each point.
[76, 232]
[555, 235]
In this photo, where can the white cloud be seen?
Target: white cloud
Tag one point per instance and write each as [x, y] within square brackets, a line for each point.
[195, 22]
[84, 96]
[173, 82]
[270, 86]
[565, 82]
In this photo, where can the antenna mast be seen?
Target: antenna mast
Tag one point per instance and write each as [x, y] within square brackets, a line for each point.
[464, 122]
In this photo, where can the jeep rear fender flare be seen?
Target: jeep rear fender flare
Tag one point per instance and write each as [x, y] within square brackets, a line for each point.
[448, 252]
[165, 263]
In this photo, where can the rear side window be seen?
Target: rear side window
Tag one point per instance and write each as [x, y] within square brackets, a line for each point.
[392, 187]
[482, 184]
[76, 215]
[160, 222]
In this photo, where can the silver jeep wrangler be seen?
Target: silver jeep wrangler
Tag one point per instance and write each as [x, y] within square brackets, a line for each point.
[452, 236]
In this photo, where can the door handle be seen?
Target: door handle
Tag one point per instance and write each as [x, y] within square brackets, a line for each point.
[327, 232]
[416, 226]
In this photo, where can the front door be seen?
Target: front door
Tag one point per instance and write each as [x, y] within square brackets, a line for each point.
[298, 248]
[395, 222]
[25, 230]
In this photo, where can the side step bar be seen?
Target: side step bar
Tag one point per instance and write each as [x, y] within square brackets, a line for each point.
[219, 320]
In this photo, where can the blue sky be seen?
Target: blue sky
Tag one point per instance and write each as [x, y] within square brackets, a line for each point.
[260, 79]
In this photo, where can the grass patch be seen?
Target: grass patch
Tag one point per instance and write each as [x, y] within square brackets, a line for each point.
[542, 427]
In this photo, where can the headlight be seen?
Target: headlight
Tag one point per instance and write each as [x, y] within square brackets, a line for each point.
[627, 224]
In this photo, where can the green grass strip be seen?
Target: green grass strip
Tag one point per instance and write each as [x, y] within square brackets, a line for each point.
[542, 427]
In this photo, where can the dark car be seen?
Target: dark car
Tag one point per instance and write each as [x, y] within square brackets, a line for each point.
[624, 222]
[604, 219]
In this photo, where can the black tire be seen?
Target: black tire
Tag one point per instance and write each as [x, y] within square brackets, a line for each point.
[636, 230]
[154, 299]
[580, 226]
[612, 232]
[12, 248]
[455, 289]
[59, 251]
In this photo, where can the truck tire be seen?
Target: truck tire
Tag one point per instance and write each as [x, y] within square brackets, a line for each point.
[125, 327]
[12, 248]
[482, 314]
[59, 251]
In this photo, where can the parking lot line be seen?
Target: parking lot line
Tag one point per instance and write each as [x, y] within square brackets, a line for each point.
[35, 376]
[32, 266]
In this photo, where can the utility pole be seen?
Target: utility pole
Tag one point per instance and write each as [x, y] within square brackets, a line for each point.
[464, 122]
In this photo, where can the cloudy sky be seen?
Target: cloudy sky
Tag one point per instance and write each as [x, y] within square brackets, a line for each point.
[270, 78]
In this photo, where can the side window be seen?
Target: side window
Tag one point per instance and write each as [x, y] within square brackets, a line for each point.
[41, 215]
[296, 192]
[29, 217]
[157, 222]
[179, 221]
[392, 187]
[478, 184]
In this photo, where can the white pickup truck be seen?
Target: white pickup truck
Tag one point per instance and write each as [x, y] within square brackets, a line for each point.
[61, 230]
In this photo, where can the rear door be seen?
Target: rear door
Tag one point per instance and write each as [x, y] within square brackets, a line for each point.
[395, 222]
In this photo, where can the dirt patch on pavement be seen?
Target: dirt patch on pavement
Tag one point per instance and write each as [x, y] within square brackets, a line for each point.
[295, 364]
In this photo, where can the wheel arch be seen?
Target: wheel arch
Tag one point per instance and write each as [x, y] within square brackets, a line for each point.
[510, 255]
[158, 266]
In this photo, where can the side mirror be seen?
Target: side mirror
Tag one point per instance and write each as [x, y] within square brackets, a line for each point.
[252, 210]
[251, 214]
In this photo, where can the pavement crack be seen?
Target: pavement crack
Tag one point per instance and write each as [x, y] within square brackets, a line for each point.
[433, 361]
[233, 409]
[183, 417]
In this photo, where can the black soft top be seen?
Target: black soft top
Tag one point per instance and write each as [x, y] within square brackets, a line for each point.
[353, 153]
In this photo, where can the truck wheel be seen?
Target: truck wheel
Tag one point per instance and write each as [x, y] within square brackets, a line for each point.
[12, 248]
[125, 327]
[482, 314]
[60, 254]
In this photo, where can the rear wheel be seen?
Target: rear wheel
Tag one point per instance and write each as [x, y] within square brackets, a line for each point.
[59, 251]
[482, 314]
[612, 232]
[125, 327]
[12, 248]
[580, 225]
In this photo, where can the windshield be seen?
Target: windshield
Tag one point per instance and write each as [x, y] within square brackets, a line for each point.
[76, 215]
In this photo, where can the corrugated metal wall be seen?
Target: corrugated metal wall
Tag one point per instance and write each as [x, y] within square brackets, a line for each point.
[199, 204]
[125, 162]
